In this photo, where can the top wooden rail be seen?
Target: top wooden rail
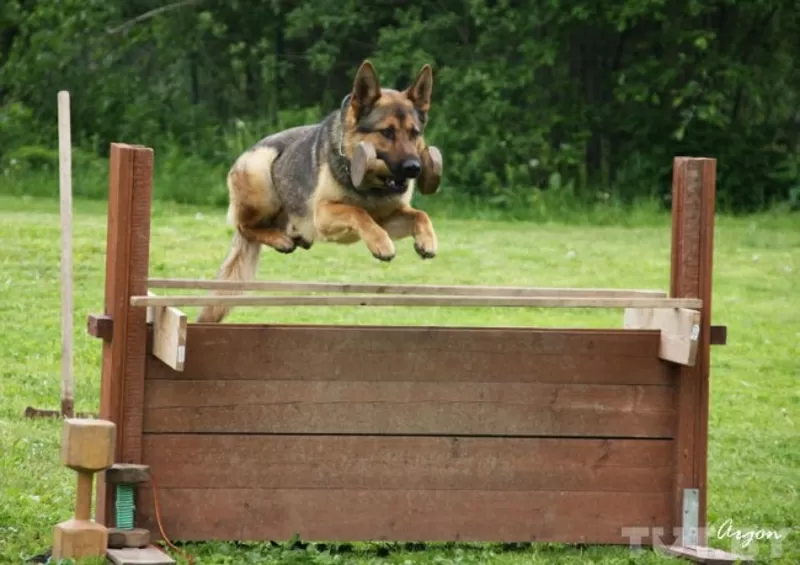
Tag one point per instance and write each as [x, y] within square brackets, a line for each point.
[373, 294]
[376, 288]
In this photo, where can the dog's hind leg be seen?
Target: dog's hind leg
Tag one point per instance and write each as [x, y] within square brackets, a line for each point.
[255, 212]
[255, 208]
[239, 265]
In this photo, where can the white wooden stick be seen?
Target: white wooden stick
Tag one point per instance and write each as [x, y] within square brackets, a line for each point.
[65, 191]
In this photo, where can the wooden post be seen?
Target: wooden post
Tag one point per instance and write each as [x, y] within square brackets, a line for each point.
[127, 258]
[693, 204]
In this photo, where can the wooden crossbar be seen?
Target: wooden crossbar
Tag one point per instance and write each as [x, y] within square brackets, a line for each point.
[418, 300]
[377, 288]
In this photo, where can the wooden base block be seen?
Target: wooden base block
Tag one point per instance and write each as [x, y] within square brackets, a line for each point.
[150, 555]
[137, 537]
[706, 555]
[79, 538]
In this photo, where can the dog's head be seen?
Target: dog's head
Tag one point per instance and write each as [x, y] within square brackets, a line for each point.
[393, 122]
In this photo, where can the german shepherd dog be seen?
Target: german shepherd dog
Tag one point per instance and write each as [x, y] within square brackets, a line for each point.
[293, 187]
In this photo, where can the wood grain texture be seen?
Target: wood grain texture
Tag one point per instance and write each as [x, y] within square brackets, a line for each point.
[694, 186]
[124, 356]
[67, 301]
[347, 407]
[169, 335]
[415, 300]
[197, 461]
[100, 326]
[378, 288]
[372, 353]
[403, 515]
[679, 329]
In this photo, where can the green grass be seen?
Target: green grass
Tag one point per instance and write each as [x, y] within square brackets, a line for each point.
[754, 436]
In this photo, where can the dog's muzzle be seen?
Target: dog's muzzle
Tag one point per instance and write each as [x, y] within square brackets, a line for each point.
[410, 168]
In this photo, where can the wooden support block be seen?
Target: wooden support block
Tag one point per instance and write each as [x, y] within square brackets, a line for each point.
[136, 538]
[87, 446]
[150, 555]
[706, 555]
[127, 473]
[101, 326]
[680, 329]
[169, 334]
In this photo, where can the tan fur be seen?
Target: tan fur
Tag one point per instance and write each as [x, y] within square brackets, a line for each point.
[331, 212]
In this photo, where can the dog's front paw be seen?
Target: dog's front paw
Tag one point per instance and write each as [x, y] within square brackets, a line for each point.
[278, 241]
[284, 245]
[300, 241]
[382, 248]
[426, 245]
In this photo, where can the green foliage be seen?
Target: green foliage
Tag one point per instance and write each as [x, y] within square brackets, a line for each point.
[530, 97]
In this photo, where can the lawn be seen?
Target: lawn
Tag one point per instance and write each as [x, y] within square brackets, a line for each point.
[754, 437]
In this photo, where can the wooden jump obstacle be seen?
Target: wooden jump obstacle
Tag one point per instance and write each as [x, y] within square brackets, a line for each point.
[266, 431]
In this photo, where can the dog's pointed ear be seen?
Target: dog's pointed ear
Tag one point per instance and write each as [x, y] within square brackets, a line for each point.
[420, 92]
[366, 89]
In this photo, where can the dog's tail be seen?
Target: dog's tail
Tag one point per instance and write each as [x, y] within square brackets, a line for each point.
[240, 265]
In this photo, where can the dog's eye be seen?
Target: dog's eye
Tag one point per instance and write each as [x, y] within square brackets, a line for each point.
[414, 133]
[388, 133]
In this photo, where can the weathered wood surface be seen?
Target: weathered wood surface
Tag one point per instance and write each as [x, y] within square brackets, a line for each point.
[466, 408]
[124, 356]
[416, 300]
[693, 194]
[197, 461]
[404, 515]
[379, 288]
[419, 354]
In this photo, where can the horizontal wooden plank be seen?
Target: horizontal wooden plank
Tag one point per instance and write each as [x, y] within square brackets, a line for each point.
[380, 288]
[376, 353]
[321, 407]
[402, 515]
[400, 463]
[417, 300]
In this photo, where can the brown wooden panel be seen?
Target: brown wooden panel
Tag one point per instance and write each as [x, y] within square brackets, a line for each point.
[402, 515]
[398, 463]
[337, 407]
[360, 353]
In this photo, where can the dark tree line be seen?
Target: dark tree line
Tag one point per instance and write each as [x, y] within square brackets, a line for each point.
[597, 96]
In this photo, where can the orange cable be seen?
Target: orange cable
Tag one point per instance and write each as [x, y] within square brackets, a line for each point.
[188, 557]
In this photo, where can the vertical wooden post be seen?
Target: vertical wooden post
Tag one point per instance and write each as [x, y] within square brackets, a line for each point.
[67, 307]
[693, 204]
[127, 259]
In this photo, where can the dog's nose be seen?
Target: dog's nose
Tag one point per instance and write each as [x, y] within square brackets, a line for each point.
[410, 168]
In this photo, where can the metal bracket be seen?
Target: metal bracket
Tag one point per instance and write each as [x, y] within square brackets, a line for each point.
[691, 517]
